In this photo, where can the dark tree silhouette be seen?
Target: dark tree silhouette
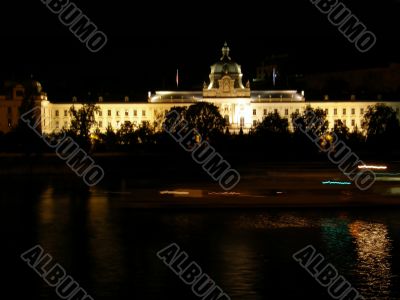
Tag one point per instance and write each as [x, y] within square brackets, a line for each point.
[341, 130]
[203, 116]
[272, 124]
[380, 120]
[82, 120]
[206, 118]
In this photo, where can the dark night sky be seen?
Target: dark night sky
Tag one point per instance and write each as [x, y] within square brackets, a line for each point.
[148, 42]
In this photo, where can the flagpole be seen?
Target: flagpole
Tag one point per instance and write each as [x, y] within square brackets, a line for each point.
[177, 78]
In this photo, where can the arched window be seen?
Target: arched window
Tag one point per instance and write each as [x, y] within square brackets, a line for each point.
[226, 117]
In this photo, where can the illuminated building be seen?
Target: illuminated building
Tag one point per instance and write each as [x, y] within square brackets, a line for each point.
[241, 106]
[11, 101]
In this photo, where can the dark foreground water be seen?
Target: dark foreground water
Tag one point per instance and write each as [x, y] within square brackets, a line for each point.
[110, 247]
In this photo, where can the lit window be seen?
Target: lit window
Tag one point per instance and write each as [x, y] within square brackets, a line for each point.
[335, 111]
[135, 113]
[57, 114]
[226, 117]
[286, 112]
[254, 112]
[344, 111]
[143, 113]
[353, 111]
[109, 113]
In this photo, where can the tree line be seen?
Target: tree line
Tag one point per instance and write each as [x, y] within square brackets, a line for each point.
[379, 133]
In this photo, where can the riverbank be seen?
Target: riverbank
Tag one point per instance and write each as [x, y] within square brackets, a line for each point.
[175, 181]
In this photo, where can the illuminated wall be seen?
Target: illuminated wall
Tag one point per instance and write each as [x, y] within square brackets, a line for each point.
[241, 112]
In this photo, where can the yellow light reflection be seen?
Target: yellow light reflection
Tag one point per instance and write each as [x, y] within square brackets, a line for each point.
[46, 207]
[373, 250]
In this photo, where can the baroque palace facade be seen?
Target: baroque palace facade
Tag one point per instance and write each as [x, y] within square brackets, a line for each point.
[237, 103]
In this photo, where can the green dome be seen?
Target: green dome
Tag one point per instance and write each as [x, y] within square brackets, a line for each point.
[225, 66]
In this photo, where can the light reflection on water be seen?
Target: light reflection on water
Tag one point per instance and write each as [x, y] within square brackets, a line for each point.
[268, 221]
[111, 247]
[374, 248]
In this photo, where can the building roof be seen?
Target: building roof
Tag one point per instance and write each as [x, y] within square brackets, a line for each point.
[225, 66]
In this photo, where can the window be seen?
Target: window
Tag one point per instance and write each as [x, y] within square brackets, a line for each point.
[117, 113]
[275, 111]
[226, 117]
[57, 114]
[126, 113]
[286, 112]
[109, 113]
[353, 111]
[254, 112]
[135, 113]
[344, 111]
[100, 124]
[241, 122]
[254, 123]
[327, 111]
[353, 123]
[9, 110]
[344, 122]
[362, 111]
[65, 124]
[57, 124]
[65, 113]
[9, 123]
[265, 112]
[143, 113]
[100, 113]
[335, 111]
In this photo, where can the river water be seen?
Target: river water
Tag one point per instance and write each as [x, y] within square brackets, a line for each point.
[110, 246]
